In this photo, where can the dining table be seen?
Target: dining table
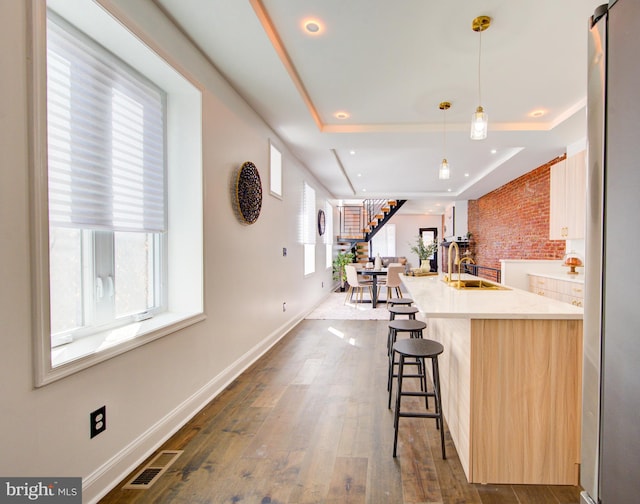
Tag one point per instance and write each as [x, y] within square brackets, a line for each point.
[374, 273]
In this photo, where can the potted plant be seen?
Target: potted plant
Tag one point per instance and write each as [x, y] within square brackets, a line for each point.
[424, 251]
[341, 260]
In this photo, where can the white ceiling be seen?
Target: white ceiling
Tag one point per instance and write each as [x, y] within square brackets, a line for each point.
[389, 65]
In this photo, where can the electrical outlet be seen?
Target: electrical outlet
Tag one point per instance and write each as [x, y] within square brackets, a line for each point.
[284, 251]
[98, 419]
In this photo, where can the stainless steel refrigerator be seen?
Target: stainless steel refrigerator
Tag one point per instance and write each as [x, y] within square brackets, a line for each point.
[610, 465]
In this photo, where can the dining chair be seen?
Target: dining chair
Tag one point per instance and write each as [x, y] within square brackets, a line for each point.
[356, 285]
[393, 281]
[363, 278]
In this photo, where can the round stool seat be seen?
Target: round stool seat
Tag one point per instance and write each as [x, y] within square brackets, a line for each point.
[407, 325]
[400, 301]
[418, 348]
[403, 310]
[412, 326]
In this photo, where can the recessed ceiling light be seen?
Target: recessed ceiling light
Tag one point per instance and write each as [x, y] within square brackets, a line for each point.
[352, 152]
[312, 26]
[537, 113]
[341, 115]
[466, 174]
[449, 190]
[359, 174]
[364, 190]
[493, 151]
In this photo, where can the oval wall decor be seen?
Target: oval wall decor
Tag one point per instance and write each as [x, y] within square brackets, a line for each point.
[321, 222]
[249, 193]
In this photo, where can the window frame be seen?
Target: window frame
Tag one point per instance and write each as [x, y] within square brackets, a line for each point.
[99, 236]
[184, 268]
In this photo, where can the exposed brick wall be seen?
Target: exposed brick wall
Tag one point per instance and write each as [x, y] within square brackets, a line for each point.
[512, 222]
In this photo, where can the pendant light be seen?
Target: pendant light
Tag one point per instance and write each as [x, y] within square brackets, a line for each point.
[444, 172]
[479, 120]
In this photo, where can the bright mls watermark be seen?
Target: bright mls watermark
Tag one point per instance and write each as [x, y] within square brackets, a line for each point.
[49, 490]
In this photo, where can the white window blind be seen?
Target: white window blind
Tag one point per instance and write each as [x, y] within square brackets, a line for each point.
[309, 215]
[105, 139]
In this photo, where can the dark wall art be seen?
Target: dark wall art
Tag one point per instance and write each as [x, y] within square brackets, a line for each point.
[248, 193]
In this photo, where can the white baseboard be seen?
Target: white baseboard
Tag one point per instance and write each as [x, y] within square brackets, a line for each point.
[97, 484]
[585, 498]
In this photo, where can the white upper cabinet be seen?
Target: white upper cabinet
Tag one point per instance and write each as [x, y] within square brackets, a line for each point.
[568, 198]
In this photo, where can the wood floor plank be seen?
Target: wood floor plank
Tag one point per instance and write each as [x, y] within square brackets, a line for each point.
[451, 477]
[497, 494]
[308, 372]
[269, 396]
[348, 482]
[419, 477]
[534, 494]
[566, 494]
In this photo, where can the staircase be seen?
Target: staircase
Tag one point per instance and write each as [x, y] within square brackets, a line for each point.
[360, 223]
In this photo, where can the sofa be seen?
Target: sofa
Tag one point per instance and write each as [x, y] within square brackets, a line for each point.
[388, 260]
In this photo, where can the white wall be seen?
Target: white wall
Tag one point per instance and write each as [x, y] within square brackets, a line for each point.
[150, 391]
[407, 230]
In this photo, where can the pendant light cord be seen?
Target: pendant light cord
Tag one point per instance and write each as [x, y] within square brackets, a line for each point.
[444, 136]
[479, 61]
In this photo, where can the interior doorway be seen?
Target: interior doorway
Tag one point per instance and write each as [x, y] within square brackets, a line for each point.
[429, 235]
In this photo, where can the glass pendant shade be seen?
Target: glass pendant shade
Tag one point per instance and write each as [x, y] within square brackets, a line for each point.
[444, 172]
[479, 124]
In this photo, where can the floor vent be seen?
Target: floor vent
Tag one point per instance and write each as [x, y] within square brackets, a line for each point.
[151, 472]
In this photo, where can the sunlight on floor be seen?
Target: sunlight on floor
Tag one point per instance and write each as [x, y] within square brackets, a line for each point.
[341, 335]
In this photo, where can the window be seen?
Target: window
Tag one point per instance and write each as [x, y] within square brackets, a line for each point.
[384, 242]
[107, 211]
[328, 234]
[275, 171]
[309, 229]
[118, 196]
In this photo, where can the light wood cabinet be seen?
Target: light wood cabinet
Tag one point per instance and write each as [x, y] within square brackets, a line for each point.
[568, 198]
[511, 392]
[554, 288]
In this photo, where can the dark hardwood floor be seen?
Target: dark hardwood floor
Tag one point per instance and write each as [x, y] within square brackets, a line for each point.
[308, 423]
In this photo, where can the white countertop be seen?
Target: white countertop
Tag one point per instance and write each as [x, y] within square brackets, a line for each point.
[436, 299]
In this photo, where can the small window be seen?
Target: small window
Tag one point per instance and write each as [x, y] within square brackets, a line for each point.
[275, 171]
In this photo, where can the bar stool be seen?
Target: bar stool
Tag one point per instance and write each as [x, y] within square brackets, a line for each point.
[402, 310]
[411, 326]
[414, 328]
[400, 301]
[419, 349]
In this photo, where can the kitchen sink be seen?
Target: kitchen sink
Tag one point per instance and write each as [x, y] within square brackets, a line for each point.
[476, 285]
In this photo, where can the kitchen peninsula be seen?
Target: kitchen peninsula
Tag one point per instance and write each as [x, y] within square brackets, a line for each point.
[510, 379]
